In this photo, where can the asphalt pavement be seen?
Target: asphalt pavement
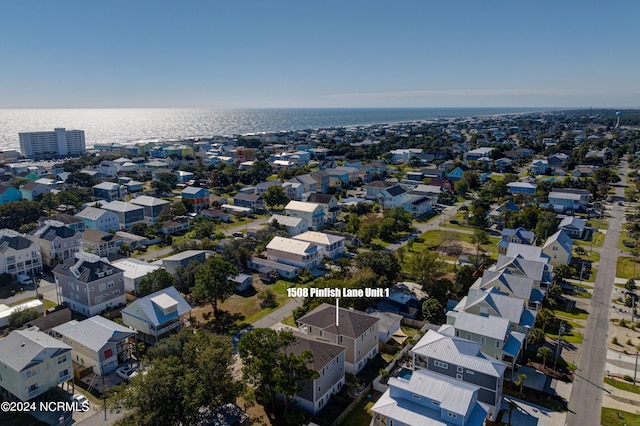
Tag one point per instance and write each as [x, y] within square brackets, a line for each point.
[585, 404]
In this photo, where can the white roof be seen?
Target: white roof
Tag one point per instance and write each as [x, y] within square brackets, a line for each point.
[460, 352]
[504, 306]
[526, 251]
[489, 326]
[121, 206]
[164, 301]
[285, 220]
[145, 200]
[92, 213]
[565, 196]
[289, 245]
[302, 206]
[319, 238]
[94, 332]
[562, 238]
[134, 268]
[107, 185]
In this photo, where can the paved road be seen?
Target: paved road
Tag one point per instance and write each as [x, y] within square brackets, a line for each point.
[586, 396]
[278, 315]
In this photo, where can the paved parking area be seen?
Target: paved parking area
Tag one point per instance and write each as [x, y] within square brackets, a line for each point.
[525, 414]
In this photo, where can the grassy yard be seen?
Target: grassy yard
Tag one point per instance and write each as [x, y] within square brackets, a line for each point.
[47, 303]
[599, 223]
[360, 416]
[625, 386]
[610, 417]
[625, 266]
[574, 314]
[598, 240]
[623, 236]
[435, 238]
[569, 336]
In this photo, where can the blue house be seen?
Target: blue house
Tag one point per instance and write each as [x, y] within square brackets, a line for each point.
[9, 194]
[522, 188]
[456, 174]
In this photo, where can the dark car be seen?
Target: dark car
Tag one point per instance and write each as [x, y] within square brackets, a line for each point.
[454, 222]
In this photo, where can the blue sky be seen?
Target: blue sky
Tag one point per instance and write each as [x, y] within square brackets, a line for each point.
[244, 53]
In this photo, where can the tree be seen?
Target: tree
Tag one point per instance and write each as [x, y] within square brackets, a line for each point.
[196, 366]
[185, 277]
[464, 279]
[213, 283]
[426, 266]
[275, 196]
[580, 251]
[382, 263]
[555, 291]
[520, 381]
[161, 188]
[17, 213]
[369, 228]
[433, 311]
[20, 317]
[461, 187]
[155, 281]
[81, 179]
[547, 224]
[140, 229]
[630, 285]
[536, 337]
[168, 179]
[544, 352]
[545, 317]
[479, 238]
[271, 365]
[563, 271]
[353, 224]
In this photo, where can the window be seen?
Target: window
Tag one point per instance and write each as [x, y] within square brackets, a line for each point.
[31, 372]
[102, 287]
[62, 358]
[470, 372]
[436, 403]
[110, 284]
[452, 415]
[498, 344]
[458, 376]
[440, 364]
[459, 369]
[483, 340]
[416, 396]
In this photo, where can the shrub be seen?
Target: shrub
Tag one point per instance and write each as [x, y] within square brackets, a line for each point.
[614, 340]
[622, 322]
[627, 378]
[629, 342]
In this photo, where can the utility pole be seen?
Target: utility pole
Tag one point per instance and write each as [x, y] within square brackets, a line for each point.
[560, 331]
[635, 370]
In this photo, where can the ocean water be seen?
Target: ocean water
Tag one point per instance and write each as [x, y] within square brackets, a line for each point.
[128, 125]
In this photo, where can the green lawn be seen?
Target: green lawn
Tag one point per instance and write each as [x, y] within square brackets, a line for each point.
[434, 238]
[280, 289]
[625, 266]
[610, 417]
[622, 385]
[623, 236]
[574, 314]
[598, 240]
[599, 223]
[569, 336]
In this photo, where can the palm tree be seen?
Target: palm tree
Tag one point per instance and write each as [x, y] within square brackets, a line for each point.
[520, 382]
[544, 352]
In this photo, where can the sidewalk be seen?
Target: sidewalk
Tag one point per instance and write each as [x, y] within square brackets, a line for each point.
[621, 400]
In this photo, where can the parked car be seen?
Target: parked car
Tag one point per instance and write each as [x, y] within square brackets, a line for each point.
[454, 222]
[81, 401]
[126, 372]
[238, 234]
[24, 279]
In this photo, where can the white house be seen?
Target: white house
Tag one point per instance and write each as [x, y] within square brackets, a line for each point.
[330, 245]
[311, 213]
[558, 248]
[18, 254]
[301, 254]
[293, 225]
[134, 271]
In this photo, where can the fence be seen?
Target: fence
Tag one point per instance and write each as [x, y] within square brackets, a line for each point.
[352, 406]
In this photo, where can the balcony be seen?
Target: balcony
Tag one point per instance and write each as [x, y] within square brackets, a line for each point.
[34, 392]
[159, 331]
[64, 378]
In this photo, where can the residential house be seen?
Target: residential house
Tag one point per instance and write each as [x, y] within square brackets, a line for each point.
[477, 154]
[262, 187]
[33, 362]
[388, 326]
[515, 236]
[405, 298]
[503, 164]
[537, 269]
[574, 227]
[99, 219]
[217, 214]
[251, 201]
[68, 220]
[457, 173]
[539, 167]
[557, 160]
[565, 199]
[56, 241]
[199, 197]
[558, 248]
[109, 191]
[392, 197]
[173, 226]
[493, 332]
[152, 207]
[497, 216]
[184, 177]
[343, 174]
[404, 155]
[172, 263]
[373, 189]
[354, 330]
[89, 284]
[32, 190]
[328, 202]
[322, 178]
[293, 190]
[419, 206]
[51, 320]
[428, 398]
[301, 254]
[512, 285]
[492, 303]
[18, 254]
[9, 194]
[461, 360]
[157, 315]
[293, 225]
[103, 244]
[330, 245]
[311, 213]
[134, 271]
[308, 183]
[97, 342]
[522, 188]
[128, 213]
[243, 282]
[329, 362]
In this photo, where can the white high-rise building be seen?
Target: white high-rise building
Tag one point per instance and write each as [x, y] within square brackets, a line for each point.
[59, 143]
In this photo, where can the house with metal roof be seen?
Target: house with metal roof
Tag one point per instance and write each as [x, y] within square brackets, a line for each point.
[199, 197]
[301, 254]
[425, 398]
[461, 360]
[293, 225]
[354, 330]
[109, 191]
[512, 285]
[152, 207]
[157, 315]
[97, 342]
[558, 248]
[134, 271]
[494, 333]
[515, 236]
[33, 362]
[99, 219]
[312, 213]
[18, 254]
[391, 197]
[128, 213]
[330, 245]
[574, 227]
[103, 244]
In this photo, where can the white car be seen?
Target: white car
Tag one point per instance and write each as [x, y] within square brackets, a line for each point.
[126, 372]
[81, 401]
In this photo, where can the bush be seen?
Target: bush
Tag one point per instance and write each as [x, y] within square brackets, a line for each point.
[627, 378]
[622, 322]
[614, 340]
[629, 342]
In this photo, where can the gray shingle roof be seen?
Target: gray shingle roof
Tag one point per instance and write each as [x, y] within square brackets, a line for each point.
[23, 348]
[352, 323]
